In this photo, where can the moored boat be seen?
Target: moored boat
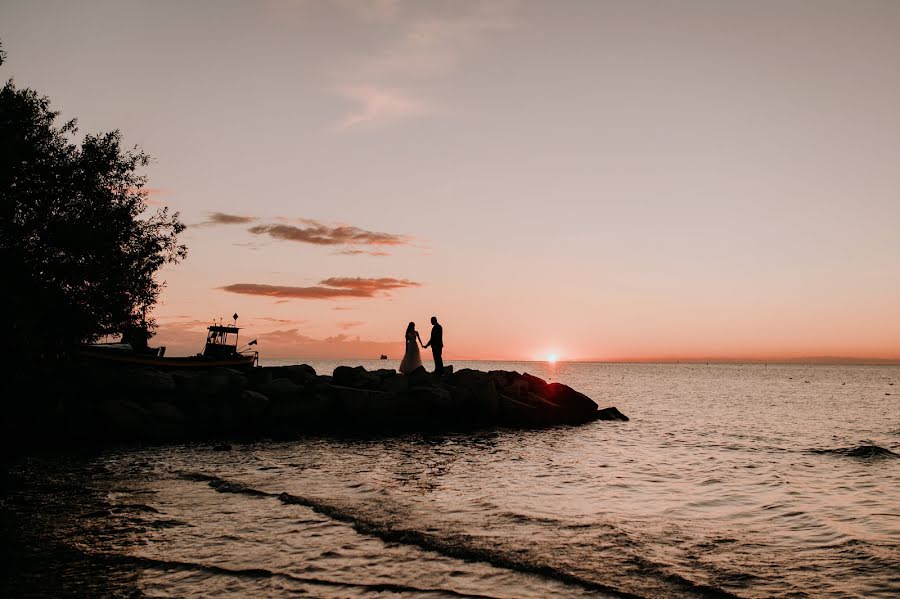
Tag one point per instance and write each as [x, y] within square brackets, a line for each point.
[221, 350]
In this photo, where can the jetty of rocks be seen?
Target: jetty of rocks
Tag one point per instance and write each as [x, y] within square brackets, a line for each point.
[102, 404]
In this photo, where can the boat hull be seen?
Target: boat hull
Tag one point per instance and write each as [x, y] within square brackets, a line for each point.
[240, 361]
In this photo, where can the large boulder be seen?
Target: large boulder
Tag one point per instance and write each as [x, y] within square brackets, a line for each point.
[151, 381]
[436, 400]
[395, 384]
[514, 412]
[203, 383]
[364, 408]
[125, 419]
[475, 390]
[169, 420]
[299, 374]
[358, 378]
[535, 384]
[575, 407]
[253, 404]
[422, 378]
[283, 389]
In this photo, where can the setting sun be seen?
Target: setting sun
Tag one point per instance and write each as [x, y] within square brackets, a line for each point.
[551, 358]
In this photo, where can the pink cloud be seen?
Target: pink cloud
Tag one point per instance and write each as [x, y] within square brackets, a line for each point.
[328, 289]
[317, 233]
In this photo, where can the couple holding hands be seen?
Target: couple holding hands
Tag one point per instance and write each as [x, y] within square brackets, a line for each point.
[412, 359]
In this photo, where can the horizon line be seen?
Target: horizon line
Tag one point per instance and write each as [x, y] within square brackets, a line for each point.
[806, 360]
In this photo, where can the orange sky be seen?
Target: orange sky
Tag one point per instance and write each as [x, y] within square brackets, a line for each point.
[596, 180]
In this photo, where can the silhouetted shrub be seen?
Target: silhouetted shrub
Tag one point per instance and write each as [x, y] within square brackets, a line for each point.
[80, 250]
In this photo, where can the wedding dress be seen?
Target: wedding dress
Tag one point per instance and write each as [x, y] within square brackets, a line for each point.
[412, 359]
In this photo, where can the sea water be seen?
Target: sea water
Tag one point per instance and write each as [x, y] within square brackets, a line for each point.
[729, 480]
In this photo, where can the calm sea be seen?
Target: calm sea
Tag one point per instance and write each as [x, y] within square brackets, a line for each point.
[729, 480]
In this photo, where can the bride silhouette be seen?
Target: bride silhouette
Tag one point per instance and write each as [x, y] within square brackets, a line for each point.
[412, 359]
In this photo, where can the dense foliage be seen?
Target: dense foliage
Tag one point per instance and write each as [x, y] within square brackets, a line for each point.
[79, 248]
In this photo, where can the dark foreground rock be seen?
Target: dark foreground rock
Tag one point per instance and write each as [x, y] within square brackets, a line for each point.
[126, 405]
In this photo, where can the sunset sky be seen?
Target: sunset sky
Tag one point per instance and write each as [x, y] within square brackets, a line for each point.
[597, 180]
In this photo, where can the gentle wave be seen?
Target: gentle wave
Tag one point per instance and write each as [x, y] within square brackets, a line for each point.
[459, 547]
[168, 564]
[860, 451]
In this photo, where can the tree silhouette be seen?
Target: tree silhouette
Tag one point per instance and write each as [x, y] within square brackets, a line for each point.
[80, 249]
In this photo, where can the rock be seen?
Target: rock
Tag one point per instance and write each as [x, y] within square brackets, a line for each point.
[164, 410]
[517, 413]
[253, 404]
[357, 377]
[482, 389]
[535, 384]
[204, 383]
[315, 411]
[299, 374]
[236, 378]
[125, 419]
[611, 414]
[169, 421]
[146, 404]
[435, 399]
[384, 373]
[395, 384]
[503, 379]
[152, 381]
[576, 407]
[281, 390]
[421, 378]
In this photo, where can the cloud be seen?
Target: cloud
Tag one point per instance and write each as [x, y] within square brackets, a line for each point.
[280, 320]
[221, 218]
[376, 104]
[432, 46]
[317, 233]
[387, 86]
[361, 252]
[332, 288]
[346, 325]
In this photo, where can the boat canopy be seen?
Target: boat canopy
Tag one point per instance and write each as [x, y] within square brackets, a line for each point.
[218, 344]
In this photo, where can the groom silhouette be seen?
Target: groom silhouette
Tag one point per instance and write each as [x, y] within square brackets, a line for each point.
[437, 345]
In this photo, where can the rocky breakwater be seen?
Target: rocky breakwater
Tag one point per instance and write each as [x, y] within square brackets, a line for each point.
[117, 405]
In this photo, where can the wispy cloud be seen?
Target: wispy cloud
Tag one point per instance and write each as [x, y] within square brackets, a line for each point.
[221, 218]
[336, 287]
[346, 325]
[379, 105]
[361, 252]
[279, 320]
[317, 233]
[387, 86]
